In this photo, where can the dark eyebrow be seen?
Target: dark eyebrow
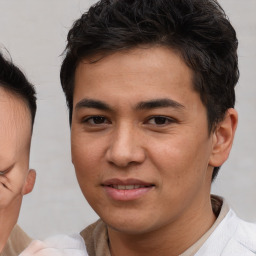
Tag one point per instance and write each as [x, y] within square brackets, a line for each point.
[89, 103]
[159, 103]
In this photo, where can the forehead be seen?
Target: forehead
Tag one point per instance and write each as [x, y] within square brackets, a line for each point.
[13, 107]
[15, 124]
[137, 73]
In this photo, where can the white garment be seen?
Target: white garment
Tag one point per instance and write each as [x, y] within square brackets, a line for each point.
[61, 245]
[232, 237]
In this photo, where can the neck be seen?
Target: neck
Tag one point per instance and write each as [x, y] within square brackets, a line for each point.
[8, 218]
[172, 239]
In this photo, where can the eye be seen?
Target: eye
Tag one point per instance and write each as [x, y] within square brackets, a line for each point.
[6, 171]
[160, 120]
[3, 172]
[96, 120]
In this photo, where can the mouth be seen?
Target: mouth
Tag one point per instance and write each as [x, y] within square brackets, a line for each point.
[126, 190]
[128, 187]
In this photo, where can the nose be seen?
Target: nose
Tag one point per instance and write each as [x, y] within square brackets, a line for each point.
[126, 148]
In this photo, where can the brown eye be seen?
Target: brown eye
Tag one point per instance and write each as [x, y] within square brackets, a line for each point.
[160, 120]
[96, 120]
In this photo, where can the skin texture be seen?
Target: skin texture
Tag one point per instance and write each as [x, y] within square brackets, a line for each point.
[165, 144]
[15, 137]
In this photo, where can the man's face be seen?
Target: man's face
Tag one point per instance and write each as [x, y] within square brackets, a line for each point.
[140, 141]
[15, 135]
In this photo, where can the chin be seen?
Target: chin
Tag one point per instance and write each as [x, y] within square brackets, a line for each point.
[128, 229]
[130, 225]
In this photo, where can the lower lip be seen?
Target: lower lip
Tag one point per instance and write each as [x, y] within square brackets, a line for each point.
[126, 194]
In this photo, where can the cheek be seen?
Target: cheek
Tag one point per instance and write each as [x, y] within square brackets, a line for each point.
[181, 160]
[86, 157]
[171, 155]
[181, 167]
[18, 174]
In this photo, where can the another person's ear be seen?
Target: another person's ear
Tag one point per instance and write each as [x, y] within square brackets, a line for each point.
[30, 182]
[223, 137]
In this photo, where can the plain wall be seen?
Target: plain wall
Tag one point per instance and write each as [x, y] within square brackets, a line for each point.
[34, 32]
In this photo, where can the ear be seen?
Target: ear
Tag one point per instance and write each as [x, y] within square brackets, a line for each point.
[30, 182]
[223, 137]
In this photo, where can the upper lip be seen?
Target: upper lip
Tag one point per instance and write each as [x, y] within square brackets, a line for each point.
[126, 182]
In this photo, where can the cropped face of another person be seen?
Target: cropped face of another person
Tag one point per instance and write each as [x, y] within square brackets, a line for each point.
[15, 136]
[141, 147]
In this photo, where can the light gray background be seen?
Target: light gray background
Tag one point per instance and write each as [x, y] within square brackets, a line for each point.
[34, 31]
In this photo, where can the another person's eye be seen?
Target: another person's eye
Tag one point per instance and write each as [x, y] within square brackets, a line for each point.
[160, 120]
[3, 172]
[96, 120]
[6, 170]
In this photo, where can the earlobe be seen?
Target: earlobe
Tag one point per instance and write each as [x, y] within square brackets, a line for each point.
[30, 182]
[223, 138]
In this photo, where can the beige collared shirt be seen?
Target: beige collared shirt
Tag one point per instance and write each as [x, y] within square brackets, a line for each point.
[96, 237]
[228, 236]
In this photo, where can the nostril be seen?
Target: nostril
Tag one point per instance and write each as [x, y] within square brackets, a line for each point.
[124, 151]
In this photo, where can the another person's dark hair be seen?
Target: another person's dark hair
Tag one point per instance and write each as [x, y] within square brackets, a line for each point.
[13, 80]
[198, 30]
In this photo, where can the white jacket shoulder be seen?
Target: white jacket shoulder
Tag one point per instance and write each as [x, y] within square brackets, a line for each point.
[232, 237]
[60, 245]
[244, 239]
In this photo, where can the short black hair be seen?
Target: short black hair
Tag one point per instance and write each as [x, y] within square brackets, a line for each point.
[13, 80]
[198, 30]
